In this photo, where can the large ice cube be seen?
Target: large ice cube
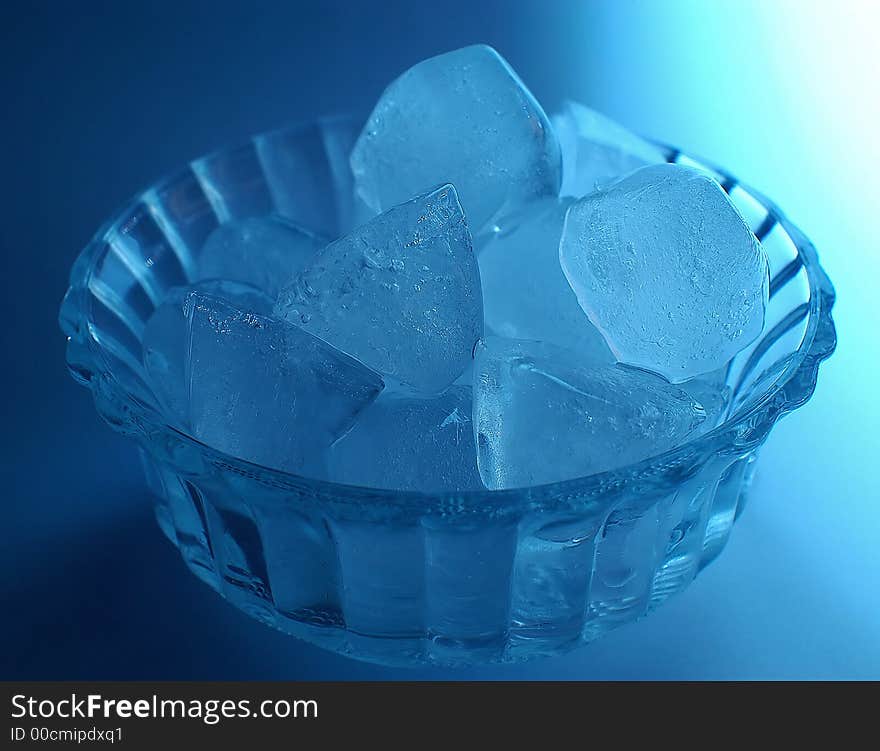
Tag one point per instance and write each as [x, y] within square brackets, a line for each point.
[668, 271]
[407, 443]
[165, 338]
[261, 251]
[269, 392]
[463, 117]
[525, 293]
[401, 293]
[541, 415]
[596, 150]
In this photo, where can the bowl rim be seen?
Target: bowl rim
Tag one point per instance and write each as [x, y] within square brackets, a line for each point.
[736, 435]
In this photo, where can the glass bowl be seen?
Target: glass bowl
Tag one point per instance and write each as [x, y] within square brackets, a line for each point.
[404, 577]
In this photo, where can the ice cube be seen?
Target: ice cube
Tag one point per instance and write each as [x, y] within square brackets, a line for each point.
[165, 338]
[269, 392]
[401, 293]
[525, 293]
[406, 443]
[541, 415]
[596, 150]
[667, 270]
[710, 390]
[463, 117]
[261, 251]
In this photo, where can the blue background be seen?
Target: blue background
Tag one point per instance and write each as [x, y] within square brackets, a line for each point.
[100, 99]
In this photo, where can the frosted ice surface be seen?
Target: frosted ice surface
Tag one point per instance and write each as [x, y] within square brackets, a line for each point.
[406, 443]
[261, 251]
[464, 118]
[269, 392]
[165, 338]
[401, 293]
[541, 415]
[668, 271]
[525, 292]
[596, 150]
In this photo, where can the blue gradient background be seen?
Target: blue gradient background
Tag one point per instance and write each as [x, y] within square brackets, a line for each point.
[101, 99]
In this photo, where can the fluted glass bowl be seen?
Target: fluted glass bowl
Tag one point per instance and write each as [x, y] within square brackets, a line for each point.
[405, 577]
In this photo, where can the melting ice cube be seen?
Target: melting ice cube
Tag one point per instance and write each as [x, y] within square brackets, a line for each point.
[407, 443]
[400, 293]
[541, 415]
[261, 251]
[165, 338]
[596, 150]
[269, 392]
[464, 118]
[668, 271]
[525, 293]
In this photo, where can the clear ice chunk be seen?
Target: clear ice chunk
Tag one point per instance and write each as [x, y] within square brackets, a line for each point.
[269, 392]
[525, 292]
[710, 390]
[401, 293]
[164, 340]
[407, 443]
[667, 270]
[261, 251]
[596, 150]
[541, 415]
[465, 118]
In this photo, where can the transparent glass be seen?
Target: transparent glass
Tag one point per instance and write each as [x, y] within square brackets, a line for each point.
[403, 577]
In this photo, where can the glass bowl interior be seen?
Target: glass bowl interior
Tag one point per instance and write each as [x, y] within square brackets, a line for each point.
[302, 173]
